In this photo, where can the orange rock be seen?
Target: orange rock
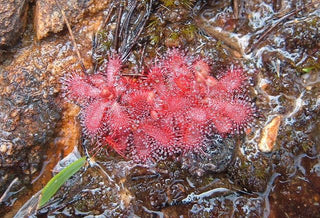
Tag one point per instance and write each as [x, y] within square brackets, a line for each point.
[269, 135]
[69, 134]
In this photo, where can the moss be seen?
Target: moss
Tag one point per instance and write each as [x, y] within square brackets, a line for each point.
[106, 45]
[189, 32]
[153, 23]
[154, 31]
[174, 36]
[161, 165]
[154, 39]
[173, 40]
[210, 179]
[175, 3]
[244, 165]
[306, 146]
[187, 3]
[168, 3]
[260, 173]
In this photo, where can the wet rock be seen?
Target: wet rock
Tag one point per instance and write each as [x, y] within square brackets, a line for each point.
[269, 135]
[48, 17]
[29, 108]
[69, 134]
[251, 175]
[13, 18]
[311, 79]
[156, 190]
[300, 192]
[215, 158]
[27, 121]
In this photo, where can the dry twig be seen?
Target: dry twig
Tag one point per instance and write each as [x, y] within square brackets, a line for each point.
[71, 35]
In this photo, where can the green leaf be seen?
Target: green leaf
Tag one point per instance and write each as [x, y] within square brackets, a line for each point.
[308, 69]
[58, 180]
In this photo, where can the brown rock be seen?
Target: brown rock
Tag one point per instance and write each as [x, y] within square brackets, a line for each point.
[48, 17]
[69, 134]
[31, 107]
[13, 19]
[269, 135]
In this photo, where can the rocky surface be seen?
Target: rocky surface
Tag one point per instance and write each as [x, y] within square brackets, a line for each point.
[269, 135]
[48, 17]
[31, 109]
[13, 19]
[215, 158]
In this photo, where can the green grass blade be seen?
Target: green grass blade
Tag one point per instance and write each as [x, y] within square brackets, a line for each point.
[308, 69]
[58, 180]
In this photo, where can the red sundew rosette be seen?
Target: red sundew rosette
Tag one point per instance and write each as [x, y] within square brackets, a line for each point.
[168, 112]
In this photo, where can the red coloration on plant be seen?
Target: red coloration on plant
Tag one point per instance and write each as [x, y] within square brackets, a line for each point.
[170, 111]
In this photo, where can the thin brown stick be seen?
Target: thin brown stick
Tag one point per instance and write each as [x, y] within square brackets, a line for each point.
[276, 5]
[116, 41]
[108, 16]
[71, 35]
[141, 62]
[236, 9]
